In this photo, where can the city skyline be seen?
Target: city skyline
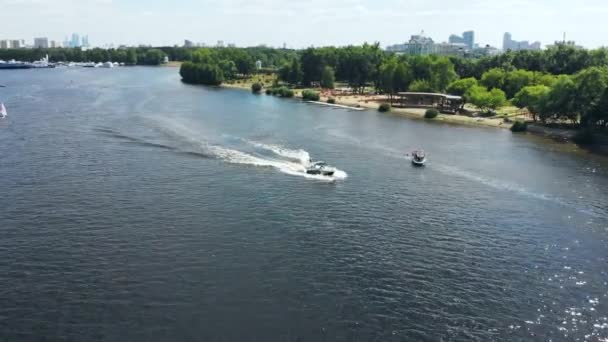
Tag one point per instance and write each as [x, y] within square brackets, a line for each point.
[250, 23]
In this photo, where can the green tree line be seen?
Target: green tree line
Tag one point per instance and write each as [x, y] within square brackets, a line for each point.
[130, 56]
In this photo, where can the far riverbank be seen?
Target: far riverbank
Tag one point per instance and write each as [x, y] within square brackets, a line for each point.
[371, 102]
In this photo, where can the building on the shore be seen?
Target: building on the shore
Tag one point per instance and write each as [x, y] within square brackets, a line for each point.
[5, 44]
[442, 102]
[41, 43]
[467, 38]
[188, 43]
[418, 44]
[450, 49]
[509, 44]
[421, 45]
[17, 43]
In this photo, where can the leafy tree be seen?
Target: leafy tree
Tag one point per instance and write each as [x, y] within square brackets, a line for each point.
[442, 73]
[153, 57]
[386, 77]
[421, 86]
[599, 113]
[484, 99]
[531, 97]
[559, 101]
[590, 86]
[295, 72]
[197, 73]
[515, 80]
[229, 69]
[131, 57]
[401, 78]
[310, 95]
[494, 78]
[256, 88]
[460, 87]
[328, 78]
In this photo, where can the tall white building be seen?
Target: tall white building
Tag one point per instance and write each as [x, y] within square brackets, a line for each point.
[17, 43]
[41, 43]
[509, 44]
[5, 44]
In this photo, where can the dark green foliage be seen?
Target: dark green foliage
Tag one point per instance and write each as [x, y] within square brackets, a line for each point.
[422, 86]
[460, 87]
[384, 107]
[584, 137]
[519, 126]
[195, 73]
[268, 91]
[328, 78]
[310, 95]
[331, 100]
[152, 57]
[281, 91]
[599, 113]
[256, 88]
[431, 113]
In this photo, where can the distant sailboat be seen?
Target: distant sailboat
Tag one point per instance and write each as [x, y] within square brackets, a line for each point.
[3, 112]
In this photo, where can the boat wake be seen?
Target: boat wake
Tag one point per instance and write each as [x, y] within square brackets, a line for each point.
[181, 139]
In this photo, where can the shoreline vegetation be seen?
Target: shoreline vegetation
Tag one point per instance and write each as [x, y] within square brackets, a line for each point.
[561, 91]
[564, 88]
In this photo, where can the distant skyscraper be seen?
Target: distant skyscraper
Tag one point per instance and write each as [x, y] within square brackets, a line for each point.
[41, 43]
[188, 43]
[456, 39]
[506, 41]
[17, 44]
[85, 41]
[509, 44]
[5, 44]
[75, 42]
[220, 43]
[469, 39]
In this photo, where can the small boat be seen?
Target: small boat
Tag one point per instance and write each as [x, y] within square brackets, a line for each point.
[320, 168]
[3, 112]
[418, 158]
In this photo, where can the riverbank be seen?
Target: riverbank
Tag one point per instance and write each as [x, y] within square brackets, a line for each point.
[372, 102]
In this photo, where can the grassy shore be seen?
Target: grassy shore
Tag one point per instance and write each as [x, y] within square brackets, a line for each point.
[372, 102]
[172, 64]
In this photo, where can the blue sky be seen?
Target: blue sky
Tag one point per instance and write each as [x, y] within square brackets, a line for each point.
[303, 23]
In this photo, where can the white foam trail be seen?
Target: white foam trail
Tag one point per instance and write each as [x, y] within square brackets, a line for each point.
[287, 167]
[300, 155]
[295, 165]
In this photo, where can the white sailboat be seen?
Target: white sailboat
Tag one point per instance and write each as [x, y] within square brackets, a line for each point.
[3, 112]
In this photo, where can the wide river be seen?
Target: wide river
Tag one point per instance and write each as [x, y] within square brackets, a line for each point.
[135, 207]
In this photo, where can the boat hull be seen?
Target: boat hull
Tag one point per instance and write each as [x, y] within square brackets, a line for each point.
[320, 173]
[418, 162]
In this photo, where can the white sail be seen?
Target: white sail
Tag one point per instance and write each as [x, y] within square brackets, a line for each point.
[3, 112]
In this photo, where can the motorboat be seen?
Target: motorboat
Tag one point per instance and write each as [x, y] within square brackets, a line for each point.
[107, 65]
[418, 158]
[320, 168]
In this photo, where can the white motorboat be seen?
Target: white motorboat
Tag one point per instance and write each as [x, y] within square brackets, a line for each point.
[419, 158]
[320, 168]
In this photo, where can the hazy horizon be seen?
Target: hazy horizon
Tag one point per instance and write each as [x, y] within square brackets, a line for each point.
[302, 24]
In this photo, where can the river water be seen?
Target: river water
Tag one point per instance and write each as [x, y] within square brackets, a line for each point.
[135, 207]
